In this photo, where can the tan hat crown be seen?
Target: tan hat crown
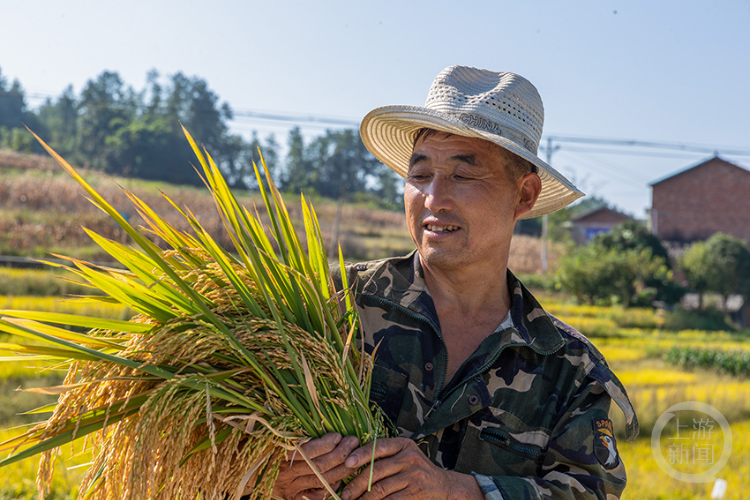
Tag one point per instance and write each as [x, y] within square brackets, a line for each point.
[503, 104]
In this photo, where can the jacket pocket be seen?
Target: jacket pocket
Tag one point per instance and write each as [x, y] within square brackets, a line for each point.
[387, 390]
[500, 448]
[503, 439]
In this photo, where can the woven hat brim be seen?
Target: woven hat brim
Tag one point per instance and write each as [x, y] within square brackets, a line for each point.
[388, 133]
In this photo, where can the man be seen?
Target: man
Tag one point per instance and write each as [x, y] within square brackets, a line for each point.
[491, 397]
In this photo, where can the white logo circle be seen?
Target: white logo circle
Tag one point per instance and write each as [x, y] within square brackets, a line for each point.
[661, 422]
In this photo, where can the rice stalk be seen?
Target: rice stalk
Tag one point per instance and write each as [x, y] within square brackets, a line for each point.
[232, 359]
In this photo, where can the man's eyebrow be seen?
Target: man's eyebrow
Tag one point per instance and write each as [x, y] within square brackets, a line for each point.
[415, 158]
[469, 159]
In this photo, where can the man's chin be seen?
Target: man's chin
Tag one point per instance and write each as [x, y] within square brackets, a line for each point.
[443, 259]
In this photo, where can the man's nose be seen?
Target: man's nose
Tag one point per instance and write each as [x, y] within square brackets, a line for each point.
[438, 195]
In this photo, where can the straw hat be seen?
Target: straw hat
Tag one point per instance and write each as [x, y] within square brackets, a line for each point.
[503, 108]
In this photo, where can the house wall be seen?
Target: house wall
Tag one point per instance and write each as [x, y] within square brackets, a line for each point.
[693, 205]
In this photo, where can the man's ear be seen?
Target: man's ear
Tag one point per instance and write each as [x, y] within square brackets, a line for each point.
[529, 188]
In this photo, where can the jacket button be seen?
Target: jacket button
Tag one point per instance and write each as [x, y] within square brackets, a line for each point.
[428, 366]
[473, 400]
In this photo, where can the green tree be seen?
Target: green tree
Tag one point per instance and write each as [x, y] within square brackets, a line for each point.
[389, 188]
[270, 151]
[337, 164]
[151, 150]
[298, 173]
[343, 163]
[12, 104]
[632, 235]
[138, 133]
[720, 265]
[696, 265]
[189, 101]
[594, 273]
[106, 105]
[13, 116]
[60, 120]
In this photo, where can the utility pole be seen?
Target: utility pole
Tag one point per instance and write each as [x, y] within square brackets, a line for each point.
[545, 218]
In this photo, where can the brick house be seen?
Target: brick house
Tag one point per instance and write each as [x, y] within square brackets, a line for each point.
[693, 204]
[600, 220]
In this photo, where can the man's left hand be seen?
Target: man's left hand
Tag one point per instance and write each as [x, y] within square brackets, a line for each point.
[402, 471]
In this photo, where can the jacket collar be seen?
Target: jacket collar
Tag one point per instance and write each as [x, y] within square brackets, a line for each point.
[400, 280]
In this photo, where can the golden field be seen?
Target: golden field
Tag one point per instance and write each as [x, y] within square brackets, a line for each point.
[630, 340]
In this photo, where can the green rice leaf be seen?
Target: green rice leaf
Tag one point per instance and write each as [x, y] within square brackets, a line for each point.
[82, 321]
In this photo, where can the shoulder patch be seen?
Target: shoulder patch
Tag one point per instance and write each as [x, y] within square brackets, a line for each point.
[605, 447]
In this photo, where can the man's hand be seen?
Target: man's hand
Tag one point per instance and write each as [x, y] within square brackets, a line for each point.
[297, 481]
[402, 471]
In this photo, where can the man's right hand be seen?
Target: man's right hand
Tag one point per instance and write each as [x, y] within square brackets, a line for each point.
[297, 481]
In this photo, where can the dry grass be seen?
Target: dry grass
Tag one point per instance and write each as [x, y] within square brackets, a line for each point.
[42, 210]
[13, 160]
[526, 255]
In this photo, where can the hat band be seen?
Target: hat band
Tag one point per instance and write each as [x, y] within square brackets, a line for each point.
[482, 123]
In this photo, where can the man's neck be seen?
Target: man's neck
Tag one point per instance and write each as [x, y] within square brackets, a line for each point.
[477, 291]
[470, 304]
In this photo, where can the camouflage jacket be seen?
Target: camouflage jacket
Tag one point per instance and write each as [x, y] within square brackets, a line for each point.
[526, 413]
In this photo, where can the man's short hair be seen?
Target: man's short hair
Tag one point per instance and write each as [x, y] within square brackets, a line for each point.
[517, 167]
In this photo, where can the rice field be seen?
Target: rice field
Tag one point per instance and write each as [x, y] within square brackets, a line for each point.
[19, 480]
[630, 340]
[635, 347]
[647, 481]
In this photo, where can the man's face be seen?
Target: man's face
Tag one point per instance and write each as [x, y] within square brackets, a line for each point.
[460, 203]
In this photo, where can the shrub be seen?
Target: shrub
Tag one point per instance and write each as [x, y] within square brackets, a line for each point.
[735, 363]
[544, 282]
[631, 235]
[598, 274]
[707, 319]
[721, 265]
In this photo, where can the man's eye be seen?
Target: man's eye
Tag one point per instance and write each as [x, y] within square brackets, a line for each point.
[418, 177]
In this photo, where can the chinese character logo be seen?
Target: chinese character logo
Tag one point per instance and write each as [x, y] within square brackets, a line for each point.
[692, 442]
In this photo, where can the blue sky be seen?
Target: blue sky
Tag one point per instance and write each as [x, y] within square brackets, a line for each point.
[667, 71]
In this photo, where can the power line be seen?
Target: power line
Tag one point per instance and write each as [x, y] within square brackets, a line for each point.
[695, 148]
[595, 167]
[626, 152]
[294, 118]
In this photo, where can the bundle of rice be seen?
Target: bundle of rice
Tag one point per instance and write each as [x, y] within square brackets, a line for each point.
[232, 360]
